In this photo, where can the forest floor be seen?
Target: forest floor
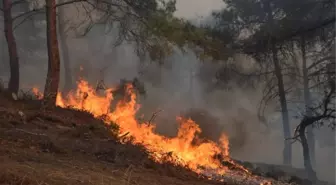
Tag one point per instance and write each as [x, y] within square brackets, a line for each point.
[72, 147]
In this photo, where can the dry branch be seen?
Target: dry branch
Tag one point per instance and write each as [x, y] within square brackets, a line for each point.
[154, 115]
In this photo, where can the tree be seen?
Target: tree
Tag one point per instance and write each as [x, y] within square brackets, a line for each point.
[322, 112]
[148, 24]
[299, 15]
[294, 12]
[53, 74]
[259, 19]
[271, 30]
[287, 153]
[14, 80]
[9, 8]
[307, 98]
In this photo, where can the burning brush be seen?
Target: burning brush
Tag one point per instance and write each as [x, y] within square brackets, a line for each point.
[204, 157]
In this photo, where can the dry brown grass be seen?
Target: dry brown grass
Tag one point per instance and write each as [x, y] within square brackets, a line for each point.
[71, 147]
[66, 147]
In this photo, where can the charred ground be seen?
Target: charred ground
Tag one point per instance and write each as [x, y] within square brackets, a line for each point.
[66, 146]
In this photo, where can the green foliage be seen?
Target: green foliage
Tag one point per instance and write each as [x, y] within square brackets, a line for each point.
[158, 33]
[292, 19]
[244, 26]
[185, 35]
[154, 30]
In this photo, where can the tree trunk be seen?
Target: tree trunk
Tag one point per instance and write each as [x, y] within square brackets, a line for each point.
[307, 100]
[14, 80]
[287, 152]
[306, 156]
[64, 50]
[53, 76]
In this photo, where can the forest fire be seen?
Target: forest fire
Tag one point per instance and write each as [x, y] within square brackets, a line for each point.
[186, 149]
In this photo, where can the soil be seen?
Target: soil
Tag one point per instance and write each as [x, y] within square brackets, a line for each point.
[65, 146]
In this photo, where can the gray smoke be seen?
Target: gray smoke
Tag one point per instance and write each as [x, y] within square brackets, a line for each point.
[175, 87]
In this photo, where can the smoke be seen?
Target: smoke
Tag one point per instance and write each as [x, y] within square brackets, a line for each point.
[197, 8]
[174, 88]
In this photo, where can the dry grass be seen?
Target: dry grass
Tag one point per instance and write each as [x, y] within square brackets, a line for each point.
[71, 147]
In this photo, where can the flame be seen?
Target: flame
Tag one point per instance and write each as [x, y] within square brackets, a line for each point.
[186, 149]
[37, 93]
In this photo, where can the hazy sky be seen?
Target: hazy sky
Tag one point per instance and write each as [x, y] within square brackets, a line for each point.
[192, 8]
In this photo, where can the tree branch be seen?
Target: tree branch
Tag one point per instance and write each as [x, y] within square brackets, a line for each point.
[42, 9]
[34, 11]
[320, 61]
[325, 23]
[19, 2]
[25, 18]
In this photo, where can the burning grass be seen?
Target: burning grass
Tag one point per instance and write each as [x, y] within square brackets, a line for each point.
[186, 149]
[75, 148]
[82, 138]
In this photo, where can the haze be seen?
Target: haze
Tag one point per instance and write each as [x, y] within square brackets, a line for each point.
[174, 88]
[192, 9]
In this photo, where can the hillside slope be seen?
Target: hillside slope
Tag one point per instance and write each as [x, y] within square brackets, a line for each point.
[72, 147]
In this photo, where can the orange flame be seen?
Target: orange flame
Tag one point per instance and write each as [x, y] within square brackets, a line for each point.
[37, 93]
[181, 150]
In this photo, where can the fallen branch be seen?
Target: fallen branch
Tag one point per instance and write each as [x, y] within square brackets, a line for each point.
[154, 115]
[123, 135]
[45, 116]
[27, 132]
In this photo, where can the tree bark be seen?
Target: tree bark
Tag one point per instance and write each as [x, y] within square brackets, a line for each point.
[53, 76]
[307, 100]
[14, 80]
[64, 50]
[306, 156]
[287, 151]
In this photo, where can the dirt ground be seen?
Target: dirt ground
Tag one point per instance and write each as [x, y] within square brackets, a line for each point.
[71, 147]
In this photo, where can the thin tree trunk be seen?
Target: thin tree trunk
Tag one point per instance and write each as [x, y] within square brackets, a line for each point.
[14, 80]
[306, 156]
[307, 100]
[287, 152]
[53, 76]
[64, 50]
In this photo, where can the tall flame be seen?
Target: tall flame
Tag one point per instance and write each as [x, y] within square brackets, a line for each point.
[185, 149]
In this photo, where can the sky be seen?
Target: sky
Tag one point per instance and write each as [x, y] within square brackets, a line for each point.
[192, 9]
